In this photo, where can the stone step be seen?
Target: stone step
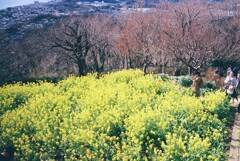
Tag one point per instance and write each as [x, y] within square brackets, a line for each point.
[234, 154]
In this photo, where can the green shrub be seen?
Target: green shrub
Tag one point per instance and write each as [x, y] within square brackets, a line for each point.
[165, 77]
[208, 87]
[185, 81]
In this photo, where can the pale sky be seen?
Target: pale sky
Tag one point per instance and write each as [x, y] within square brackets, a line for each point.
[11, 3]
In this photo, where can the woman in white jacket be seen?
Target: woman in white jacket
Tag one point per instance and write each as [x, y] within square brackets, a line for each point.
[231, 84]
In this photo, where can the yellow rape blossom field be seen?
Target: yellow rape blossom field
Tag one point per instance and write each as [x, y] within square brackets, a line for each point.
[124, 115]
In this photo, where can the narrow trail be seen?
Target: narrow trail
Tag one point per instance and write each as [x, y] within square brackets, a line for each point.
[234, 154]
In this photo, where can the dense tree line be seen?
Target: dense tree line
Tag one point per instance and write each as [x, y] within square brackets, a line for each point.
[184, 36]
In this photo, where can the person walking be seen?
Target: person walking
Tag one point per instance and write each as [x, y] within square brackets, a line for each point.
[197, 83]
[230, 85]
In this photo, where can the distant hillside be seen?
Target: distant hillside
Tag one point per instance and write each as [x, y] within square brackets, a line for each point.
[114, 1]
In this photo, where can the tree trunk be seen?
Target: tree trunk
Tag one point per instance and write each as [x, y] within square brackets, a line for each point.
[189, 71]
[125, 61]
[145, 68]
[101, 61]
[163, 69]
[82, 67]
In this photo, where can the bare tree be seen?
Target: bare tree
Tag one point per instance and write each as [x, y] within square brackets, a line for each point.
[20, 58]
[188, 38]
[76, 37]
[228, 31]
[139, 40]
[198, 34]
[102, 52]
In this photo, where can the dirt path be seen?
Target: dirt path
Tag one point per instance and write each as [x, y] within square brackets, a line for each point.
[235, 144]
